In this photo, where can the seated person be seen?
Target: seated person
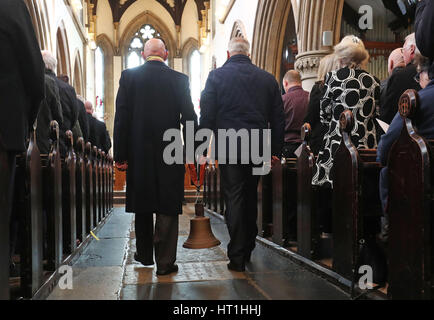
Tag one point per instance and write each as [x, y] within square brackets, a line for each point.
[295, 102]
[400, 81]
[424, 121]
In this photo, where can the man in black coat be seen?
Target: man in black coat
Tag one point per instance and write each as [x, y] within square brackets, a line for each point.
[50, 110]
[21, 92]
[82, 119]
[68, 100]
[400, 81]
[98, 134]
[151, 100]
[424, 27]
[241, 96]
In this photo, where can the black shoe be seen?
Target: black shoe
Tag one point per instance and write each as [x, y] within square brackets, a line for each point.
[143, 261]
[235, 267]
[172, 269]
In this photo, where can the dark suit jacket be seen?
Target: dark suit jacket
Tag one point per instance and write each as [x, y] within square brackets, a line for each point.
[399, 81]
[239, 95]
[313, 116]
[151, 100]
[424, 27]
[68, 100]
[98, 135]
[21, 75]
[51, 109]
[83, 120]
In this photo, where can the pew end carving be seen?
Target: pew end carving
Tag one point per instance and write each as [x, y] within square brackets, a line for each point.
[410, 209]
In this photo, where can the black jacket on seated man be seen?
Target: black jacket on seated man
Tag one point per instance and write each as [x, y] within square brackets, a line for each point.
[83, 120]
[237, 96]
[398, 83]
[51, 109]
[68, 99]
[98, 135]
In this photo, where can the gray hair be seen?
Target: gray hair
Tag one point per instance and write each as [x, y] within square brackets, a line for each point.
[411, 40]
[49, 60]
[239, 45]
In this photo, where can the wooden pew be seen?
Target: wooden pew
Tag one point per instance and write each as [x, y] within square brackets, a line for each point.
[284, 186]
[103, 185]
[69, 198]
[205, 187]
[111, 171]
[308, 233]
[52, 184]
[29, 177]
[80, 183]
[220, 201]
[410, 246]
[100, 187]
[265, 206]
[95, 185]
[356, 203]
[4, 222]
[89, 189]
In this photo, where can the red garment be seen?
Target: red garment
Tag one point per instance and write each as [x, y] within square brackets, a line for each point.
[295, 101]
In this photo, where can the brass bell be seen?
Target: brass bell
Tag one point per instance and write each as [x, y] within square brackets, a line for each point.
[201, 236]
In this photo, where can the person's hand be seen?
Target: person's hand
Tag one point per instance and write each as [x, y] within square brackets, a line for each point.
[274, 160]
[122, 166]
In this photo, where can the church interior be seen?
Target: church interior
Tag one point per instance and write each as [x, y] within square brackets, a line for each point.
[85, 249]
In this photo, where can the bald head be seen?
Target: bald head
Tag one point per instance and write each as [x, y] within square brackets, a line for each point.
[396, 60]
[89, 107]
[291, 79]
[155, 47]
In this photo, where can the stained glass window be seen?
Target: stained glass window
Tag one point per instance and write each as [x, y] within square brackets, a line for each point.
[195, 79]
[99, 83]
[134, 56]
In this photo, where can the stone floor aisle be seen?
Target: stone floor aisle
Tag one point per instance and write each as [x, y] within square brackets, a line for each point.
[107, 270]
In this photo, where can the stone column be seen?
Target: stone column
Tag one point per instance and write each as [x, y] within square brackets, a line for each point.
[315, 17]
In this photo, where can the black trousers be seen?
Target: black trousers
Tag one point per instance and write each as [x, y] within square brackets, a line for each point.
[7, 178]
[240, 189]
[164, 238]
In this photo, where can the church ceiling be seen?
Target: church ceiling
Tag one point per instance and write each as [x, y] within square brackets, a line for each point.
[174, 7]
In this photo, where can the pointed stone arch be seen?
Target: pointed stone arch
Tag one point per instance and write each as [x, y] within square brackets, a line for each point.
[147, 17]
[268, 35]
[77, 79]
[106, 45]
[62, 51]
[189, 46]
[238, 30]
[38, 14]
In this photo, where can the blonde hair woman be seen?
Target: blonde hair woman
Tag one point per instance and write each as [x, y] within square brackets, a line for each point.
[327, 64]
[348, 88]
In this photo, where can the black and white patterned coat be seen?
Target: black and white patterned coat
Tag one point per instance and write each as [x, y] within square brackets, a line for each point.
[346, 89]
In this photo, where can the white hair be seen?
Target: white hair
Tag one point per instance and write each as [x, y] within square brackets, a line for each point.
[49, 60]
[239, 45]
[411, 40]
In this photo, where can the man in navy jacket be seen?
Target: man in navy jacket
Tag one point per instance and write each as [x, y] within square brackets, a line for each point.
[241, 96]
[424, 121]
